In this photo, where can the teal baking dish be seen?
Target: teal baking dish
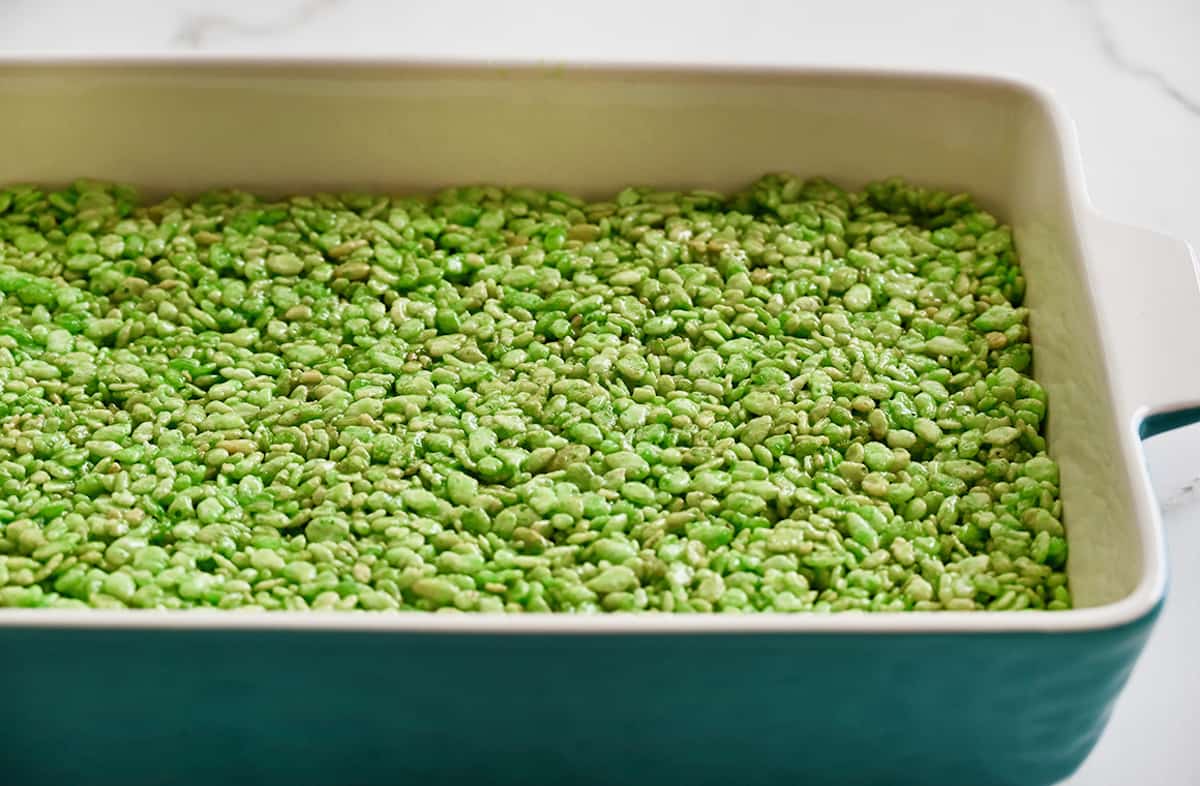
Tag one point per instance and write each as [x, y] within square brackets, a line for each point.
[138, 697]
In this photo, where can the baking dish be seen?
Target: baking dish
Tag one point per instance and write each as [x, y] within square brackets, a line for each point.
[129, 697]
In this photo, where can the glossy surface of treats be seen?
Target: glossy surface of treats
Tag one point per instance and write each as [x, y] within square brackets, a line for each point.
[792, 398]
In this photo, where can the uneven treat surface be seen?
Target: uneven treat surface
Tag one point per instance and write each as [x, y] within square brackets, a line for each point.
[793, 398]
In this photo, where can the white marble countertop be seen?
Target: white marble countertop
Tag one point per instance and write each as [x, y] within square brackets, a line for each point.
[1128, 72]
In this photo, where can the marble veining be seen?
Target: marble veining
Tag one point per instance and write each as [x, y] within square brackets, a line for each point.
[196, 29]
[1112, 48]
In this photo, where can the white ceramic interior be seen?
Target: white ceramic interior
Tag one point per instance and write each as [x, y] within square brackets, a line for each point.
[275, 126]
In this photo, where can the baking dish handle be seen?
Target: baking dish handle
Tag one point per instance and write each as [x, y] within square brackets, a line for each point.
[1151, 281]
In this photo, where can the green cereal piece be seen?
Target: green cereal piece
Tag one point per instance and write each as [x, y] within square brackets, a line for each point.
[1042, 468]
[614, 579]
[792, 398]
[944, 345]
